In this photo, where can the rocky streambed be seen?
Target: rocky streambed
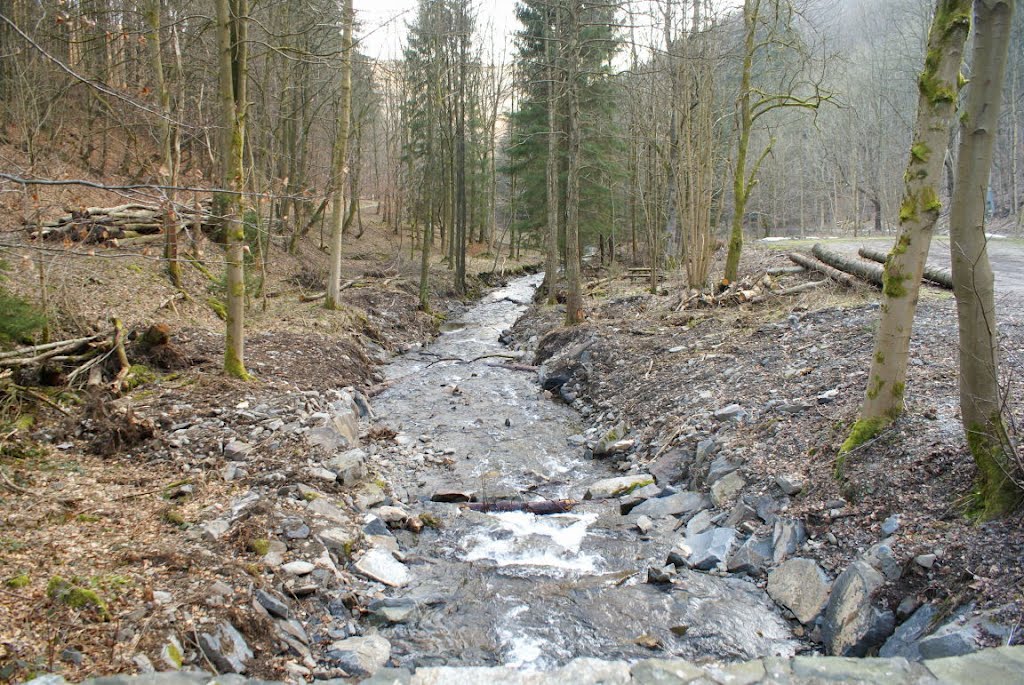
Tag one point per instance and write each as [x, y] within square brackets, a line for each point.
[326, 535]
[535, 591]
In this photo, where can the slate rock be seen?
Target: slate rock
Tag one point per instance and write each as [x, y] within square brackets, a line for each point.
[705, 449]
[338, 540]
[361, 656]
[903, 642]
[679, 504]
[790, 483]
[891, 524]
[381, 566]
[350, 466]
[322, 507]
[767, 508]
[375, 526]
[787, 536]
[295, 529]
[237, 450]
[699, 523]
[226, 649]
[298, 568]
[951, 640]
[609, 488]
[273, 605]
[453, 496]
[726, 489]
[704, 551]
[752, 557]
[740, 513]
[882, 559]
[800, 586]
[732, 412]
[392, 609]
[853, 625]
[671, 467]
[721, 467]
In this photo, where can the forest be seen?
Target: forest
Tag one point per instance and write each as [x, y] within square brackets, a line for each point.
[321, 359]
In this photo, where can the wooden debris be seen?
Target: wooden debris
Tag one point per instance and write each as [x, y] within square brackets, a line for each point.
[541, 507]
[821, 267]
[127, 224]
[866, 271]
[932, 274]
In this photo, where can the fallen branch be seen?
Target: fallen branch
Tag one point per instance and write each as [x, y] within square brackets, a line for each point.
[542, 507]
[932, 274]
[795, 290]
[63, 345]
[823, 268]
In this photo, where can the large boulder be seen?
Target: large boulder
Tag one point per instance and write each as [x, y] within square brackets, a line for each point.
[800, 586]
[853, 625]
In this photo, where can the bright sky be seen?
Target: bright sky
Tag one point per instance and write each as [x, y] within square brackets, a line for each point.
[384, 21]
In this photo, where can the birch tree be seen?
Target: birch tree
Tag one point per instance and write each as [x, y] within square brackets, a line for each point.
[938, 85]
[981, 405]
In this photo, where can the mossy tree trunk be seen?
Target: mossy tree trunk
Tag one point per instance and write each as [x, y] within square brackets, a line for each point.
[769, 31]
[981, 406]
[232, 17]
[938, 86]
[340, 160]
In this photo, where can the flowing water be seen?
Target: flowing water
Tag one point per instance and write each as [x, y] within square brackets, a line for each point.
[523, 590]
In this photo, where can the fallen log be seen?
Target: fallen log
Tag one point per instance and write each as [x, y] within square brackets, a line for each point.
[867, 271]
[932, 274]
[823, 268]
[542, 507]
[784, 270]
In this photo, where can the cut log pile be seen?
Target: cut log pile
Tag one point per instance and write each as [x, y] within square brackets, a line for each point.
[847, 270]
[104, 225]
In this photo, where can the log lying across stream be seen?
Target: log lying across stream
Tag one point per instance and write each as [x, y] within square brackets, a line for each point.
[547, 506]
[932, 274]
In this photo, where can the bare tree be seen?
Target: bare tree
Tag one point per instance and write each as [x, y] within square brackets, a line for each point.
[937, 86]
[981, 405]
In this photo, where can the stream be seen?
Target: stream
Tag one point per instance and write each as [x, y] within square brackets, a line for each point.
[528, 591]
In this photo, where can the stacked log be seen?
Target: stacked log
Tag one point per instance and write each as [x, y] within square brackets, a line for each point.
[102, 225]
[932, 274]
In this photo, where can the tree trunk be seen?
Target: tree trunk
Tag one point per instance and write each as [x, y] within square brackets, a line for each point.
[981, 406]
[168, 171]
[937, 85]
[340, 160]
[551, 175]
[740, 189]
[231, 34]
[574, 296]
